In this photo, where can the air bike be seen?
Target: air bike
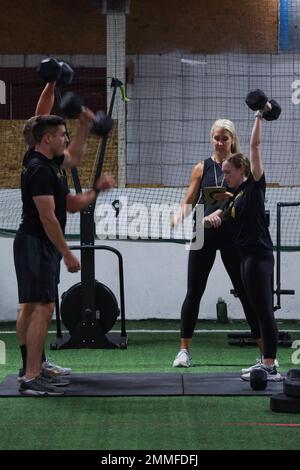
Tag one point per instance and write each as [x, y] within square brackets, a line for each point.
[89, 309]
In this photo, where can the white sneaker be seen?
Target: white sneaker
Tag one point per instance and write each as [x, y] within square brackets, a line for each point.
[257, 365]
[183, 359]
[55, 369]
[272, 374]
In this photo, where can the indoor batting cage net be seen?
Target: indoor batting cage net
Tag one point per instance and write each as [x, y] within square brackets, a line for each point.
[177, 84]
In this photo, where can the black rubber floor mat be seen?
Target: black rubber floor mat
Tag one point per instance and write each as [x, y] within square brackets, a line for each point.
[152, 384]
[108, 385]
[227, 384]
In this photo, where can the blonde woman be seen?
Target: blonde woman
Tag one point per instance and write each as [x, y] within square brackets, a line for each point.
[209, 173]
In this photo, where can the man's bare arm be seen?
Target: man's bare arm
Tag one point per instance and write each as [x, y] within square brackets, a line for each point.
[46, 100]
[46, 209]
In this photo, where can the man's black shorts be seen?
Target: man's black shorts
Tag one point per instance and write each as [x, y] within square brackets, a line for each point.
[37, 268]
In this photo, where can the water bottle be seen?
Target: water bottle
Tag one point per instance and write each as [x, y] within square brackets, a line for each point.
[222, 311]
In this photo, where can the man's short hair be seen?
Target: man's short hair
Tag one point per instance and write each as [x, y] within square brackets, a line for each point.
[43, 124]
[27, 131]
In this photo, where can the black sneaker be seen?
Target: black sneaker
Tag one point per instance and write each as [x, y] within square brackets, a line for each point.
[21, 374]
[55, 381]
[39, 387]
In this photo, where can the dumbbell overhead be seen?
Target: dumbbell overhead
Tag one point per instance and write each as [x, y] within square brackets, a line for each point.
[51, 70]
[258, 101]
[71, 106]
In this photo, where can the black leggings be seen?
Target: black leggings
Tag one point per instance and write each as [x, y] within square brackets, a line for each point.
[257, 275]
[199, 266]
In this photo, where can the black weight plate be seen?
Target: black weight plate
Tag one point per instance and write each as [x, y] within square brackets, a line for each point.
[293, 373]
[291, 387]
[281, 403]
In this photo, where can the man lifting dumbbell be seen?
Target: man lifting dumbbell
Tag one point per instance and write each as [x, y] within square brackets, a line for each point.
[40, 133]
[52, 72]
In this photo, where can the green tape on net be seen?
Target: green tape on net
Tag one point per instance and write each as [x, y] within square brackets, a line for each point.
[123, 94]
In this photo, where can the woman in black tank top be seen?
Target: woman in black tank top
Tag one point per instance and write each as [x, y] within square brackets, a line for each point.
[207, 174]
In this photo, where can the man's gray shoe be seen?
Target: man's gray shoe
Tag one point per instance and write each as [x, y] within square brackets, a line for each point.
[39, 387]
[55, 369]
[56, 381]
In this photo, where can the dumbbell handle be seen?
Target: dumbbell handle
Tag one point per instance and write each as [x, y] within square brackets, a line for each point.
[266, 109]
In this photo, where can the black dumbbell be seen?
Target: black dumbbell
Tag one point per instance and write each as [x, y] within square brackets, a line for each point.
[102, 124]
[258, 379]
[67, 74]
[51, 70]
[71, 106]
[257, 100]
[293, 374]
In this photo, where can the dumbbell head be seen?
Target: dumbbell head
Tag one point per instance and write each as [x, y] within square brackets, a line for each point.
[66, 76]
[258, 379]
[102, 124]
[71, 105]
[49, 70]
[256, 100]
[274, 113]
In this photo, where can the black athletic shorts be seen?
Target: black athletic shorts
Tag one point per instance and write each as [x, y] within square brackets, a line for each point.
[37, 268]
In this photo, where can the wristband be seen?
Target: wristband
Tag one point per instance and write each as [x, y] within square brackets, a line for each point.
[258, 114]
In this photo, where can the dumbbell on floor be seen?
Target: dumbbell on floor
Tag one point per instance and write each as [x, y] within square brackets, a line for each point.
[258, 379]
[258, 101]
[71, 106]
[51, 70]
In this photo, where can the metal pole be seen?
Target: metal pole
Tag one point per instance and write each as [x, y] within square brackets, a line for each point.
[278, 255]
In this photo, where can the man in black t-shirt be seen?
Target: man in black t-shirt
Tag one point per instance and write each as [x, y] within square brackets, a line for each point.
[70, 158]
[40, 243]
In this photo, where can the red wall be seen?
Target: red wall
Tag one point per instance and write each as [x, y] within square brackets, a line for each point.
[23, 90]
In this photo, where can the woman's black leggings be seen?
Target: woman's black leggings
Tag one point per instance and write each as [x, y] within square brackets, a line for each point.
[257, 275]
[199, 266]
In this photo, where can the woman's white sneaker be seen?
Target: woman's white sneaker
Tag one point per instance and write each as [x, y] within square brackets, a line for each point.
[272, 374]
[183, 359]
[257, 365]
